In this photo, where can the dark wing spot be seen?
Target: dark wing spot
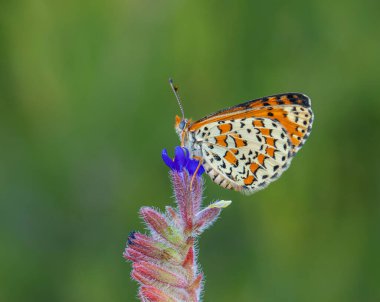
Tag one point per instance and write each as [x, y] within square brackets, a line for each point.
[217, 157]
[275, 175]
[304, 100]
[243, 172]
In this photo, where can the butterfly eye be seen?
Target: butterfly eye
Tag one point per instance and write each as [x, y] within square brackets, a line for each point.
[182, 124]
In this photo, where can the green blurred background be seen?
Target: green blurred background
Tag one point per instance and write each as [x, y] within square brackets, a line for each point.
[86, 110]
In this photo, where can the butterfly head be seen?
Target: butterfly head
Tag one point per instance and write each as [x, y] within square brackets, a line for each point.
[181, 126]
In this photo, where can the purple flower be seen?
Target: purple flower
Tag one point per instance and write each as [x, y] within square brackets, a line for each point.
[182, 160]
[192, 166]
[181, 157]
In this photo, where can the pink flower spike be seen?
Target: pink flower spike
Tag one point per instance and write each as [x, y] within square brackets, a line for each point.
[155, 272]
[164, 261]
[152, 294]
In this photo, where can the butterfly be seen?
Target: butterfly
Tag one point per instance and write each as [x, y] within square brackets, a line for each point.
[248, 146]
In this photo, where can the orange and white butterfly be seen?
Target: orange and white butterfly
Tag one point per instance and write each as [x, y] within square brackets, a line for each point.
[248, 146]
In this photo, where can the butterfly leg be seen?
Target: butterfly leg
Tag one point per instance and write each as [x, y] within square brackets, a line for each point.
[183, 139]
[196, 170]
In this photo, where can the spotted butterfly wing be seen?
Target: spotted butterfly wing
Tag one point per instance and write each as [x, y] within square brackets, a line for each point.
[248, 146]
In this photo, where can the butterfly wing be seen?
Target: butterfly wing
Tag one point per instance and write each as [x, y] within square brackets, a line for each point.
[291, 110]
[248, 146]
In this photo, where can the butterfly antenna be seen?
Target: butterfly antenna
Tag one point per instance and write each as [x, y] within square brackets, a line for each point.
[175, 90]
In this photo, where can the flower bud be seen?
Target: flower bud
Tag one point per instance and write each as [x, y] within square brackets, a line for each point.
[153, 272]
[157, 222]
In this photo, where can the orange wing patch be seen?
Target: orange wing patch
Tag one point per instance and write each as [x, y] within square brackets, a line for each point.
[265, 131]
[224, 128]
[253, 167]
[261, 158]
[270, 141]
[238, 141]
[270, 151]
[258, 124]
[249, 180]
[221, 140]
[230, 158]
